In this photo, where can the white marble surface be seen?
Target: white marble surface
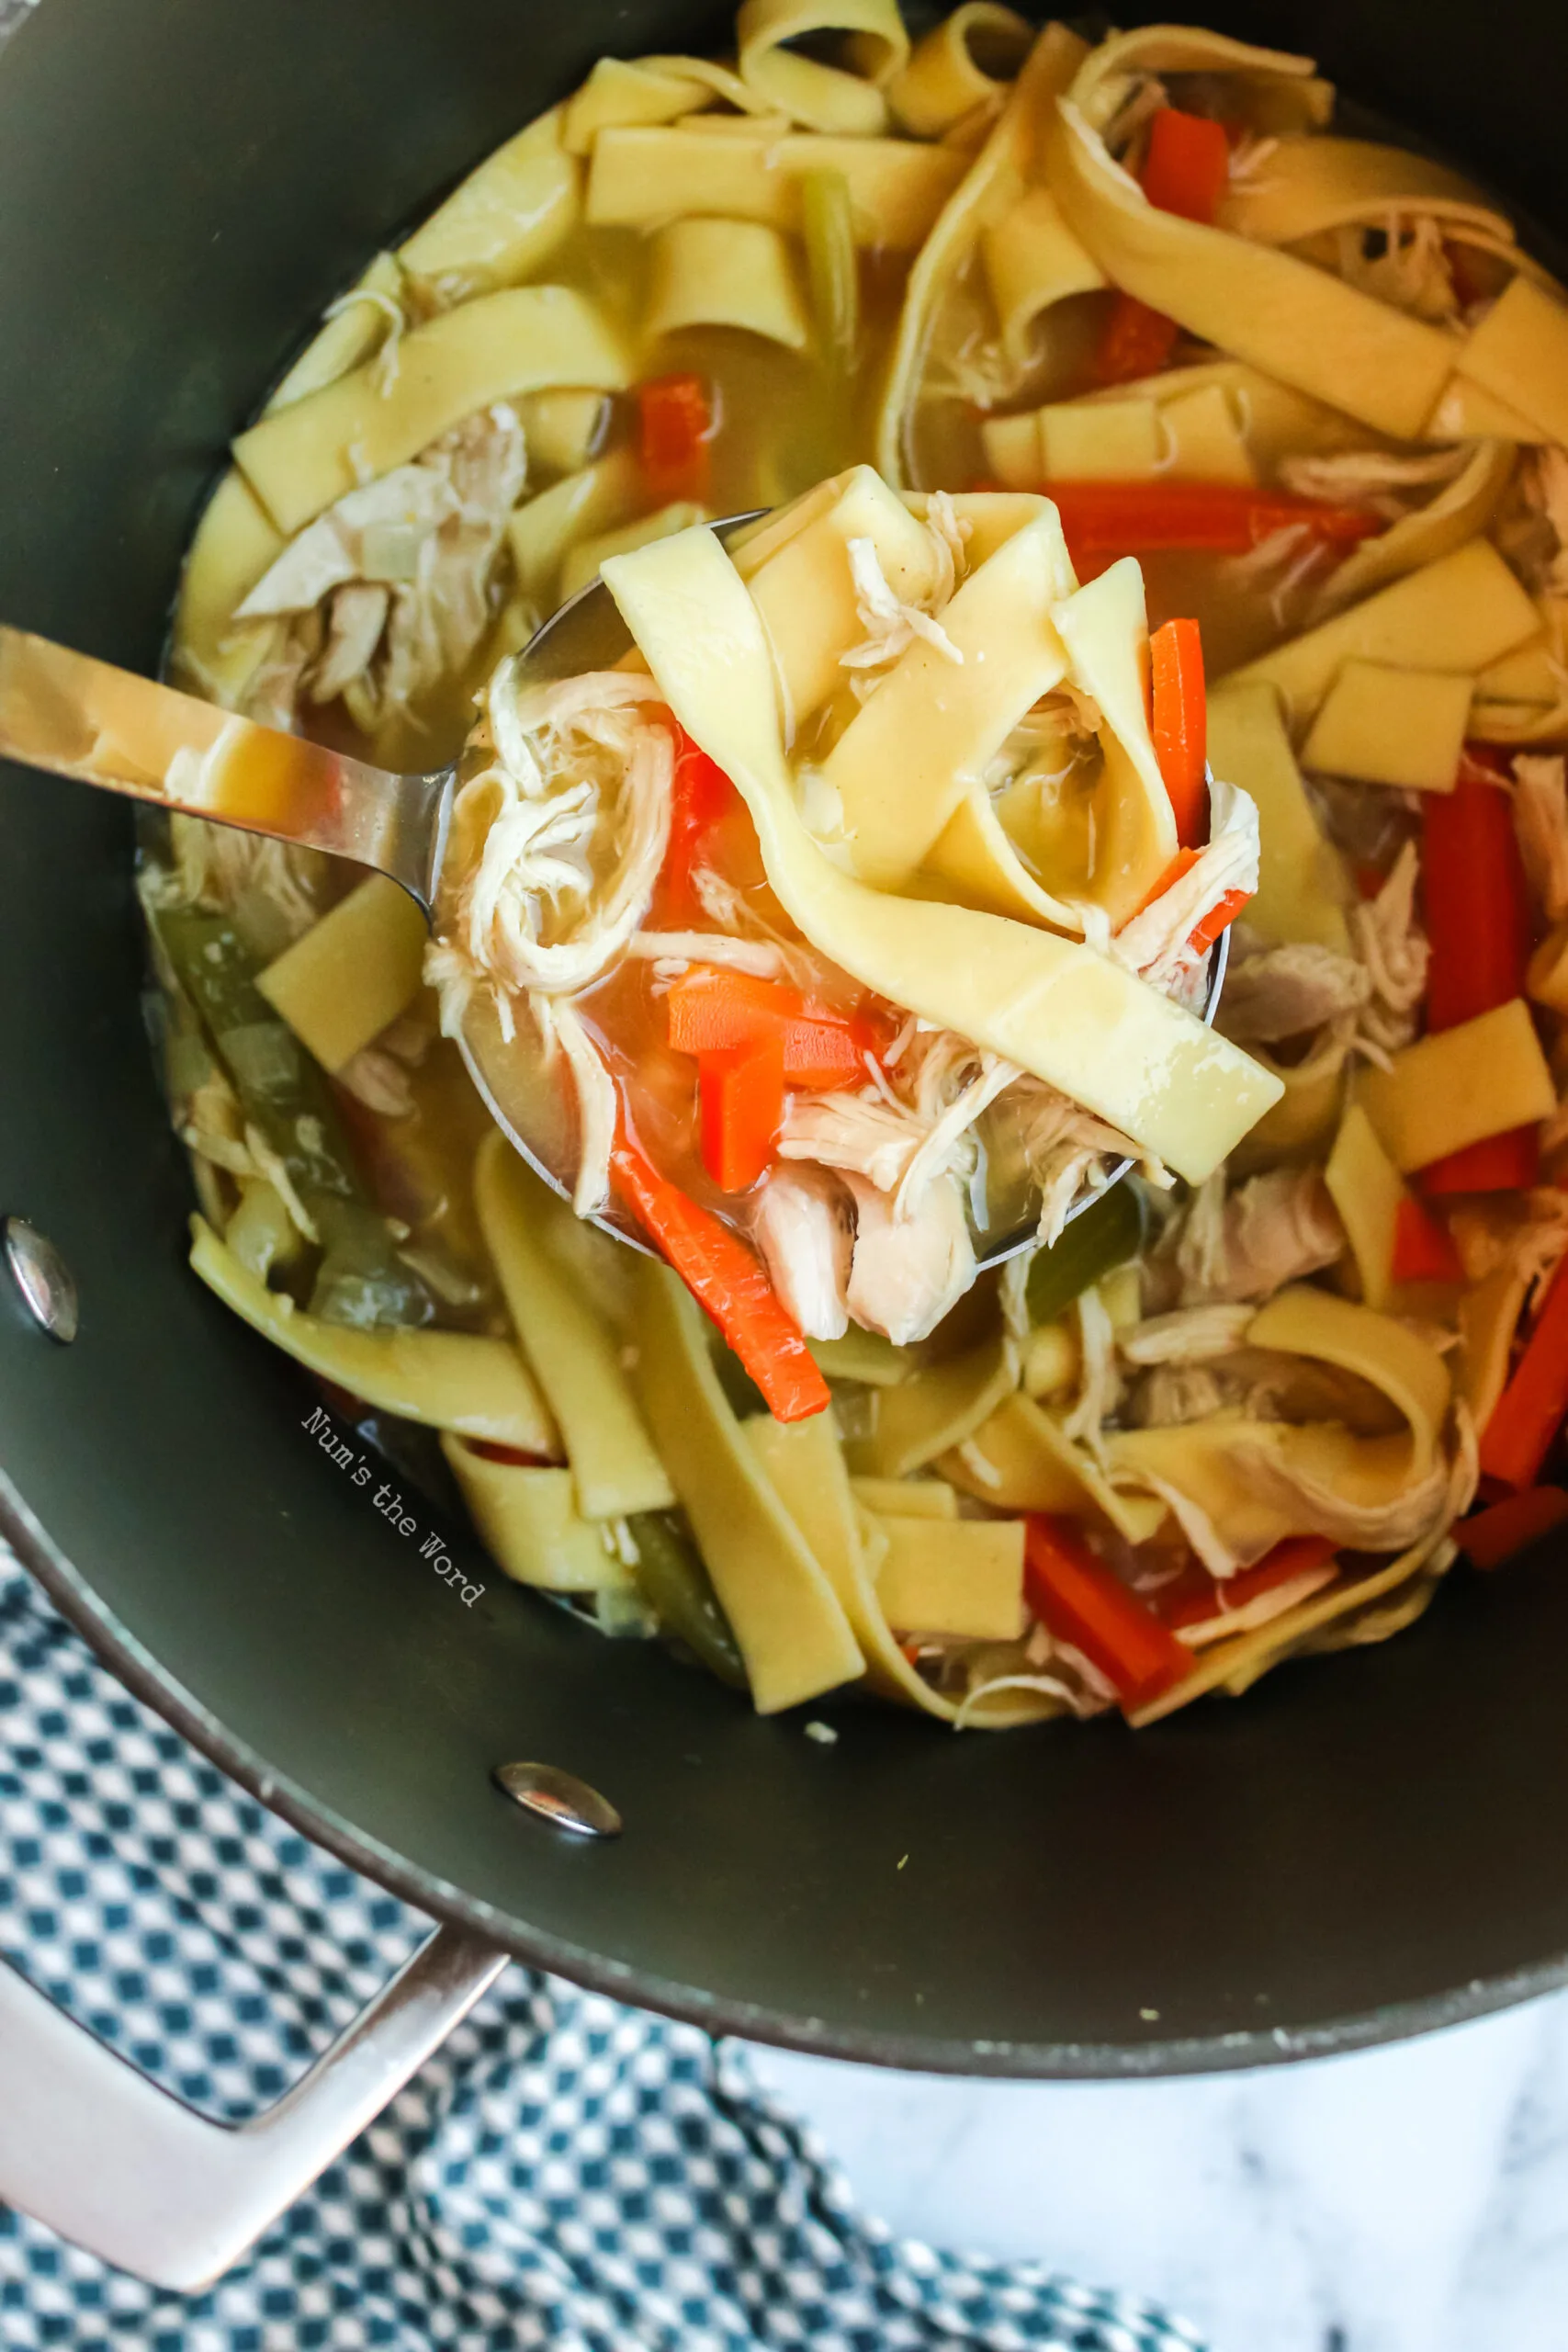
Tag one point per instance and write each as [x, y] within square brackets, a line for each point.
[1408, 2199]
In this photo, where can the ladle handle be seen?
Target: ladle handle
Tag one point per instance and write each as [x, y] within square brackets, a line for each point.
[75, 717]
[132, 2175]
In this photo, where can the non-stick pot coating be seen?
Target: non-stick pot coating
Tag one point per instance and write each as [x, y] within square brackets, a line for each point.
[1360, 1846]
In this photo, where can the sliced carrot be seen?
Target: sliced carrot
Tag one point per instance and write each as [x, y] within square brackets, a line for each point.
[1220, 918]
[1528, 1414]
[728, 1281]
[1186, 169]
[1136, 341]
[1186, 165]
[675, 430]
[1180, 725]
[1423, 1247]
[741, 1094]
[1183, 863]
[1140, 517]
[1508, 1162]
[1474, 897]
[1494, 1536]
[1197, 1597]
[1080, 1600]
[710, 1010]
[701, 798]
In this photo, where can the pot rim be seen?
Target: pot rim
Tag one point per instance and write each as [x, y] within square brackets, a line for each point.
[142, 1675]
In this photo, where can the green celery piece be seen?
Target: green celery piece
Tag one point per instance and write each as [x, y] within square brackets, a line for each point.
[1103, 1235]
[832, 264]
[672, 1578]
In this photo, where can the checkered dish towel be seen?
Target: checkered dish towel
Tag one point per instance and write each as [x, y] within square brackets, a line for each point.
[563, 2173]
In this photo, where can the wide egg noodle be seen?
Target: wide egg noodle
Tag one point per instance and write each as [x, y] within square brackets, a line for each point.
[999, 177]
[798, 573]
[1459, 613]
[448, 1380]
[938, 1407]
[790, 1624]
[1303, 886]
[638, 177]
[627, 91]
[739, 274]
[1284, 316]
[845, 97]
[1408, 1371]
[1022, 1459]
[528, 1520]
[804, 1463]
[906, 760]
[1033, 261]
[1105, 629]
[1308, 185]
[576, 1359]
[301, 459]
[961, 68]
[236, 542]
[504, 221]
[1461, 510]
[1236, 1666]
[1073, 1018]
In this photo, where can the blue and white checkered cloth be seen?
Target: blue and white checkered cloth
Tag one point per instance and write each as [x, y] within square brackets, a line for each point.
[563, 2173]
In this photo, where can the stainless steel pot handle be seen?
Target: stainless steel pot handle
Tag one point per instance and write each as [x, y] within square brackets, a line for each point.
[131, 2173]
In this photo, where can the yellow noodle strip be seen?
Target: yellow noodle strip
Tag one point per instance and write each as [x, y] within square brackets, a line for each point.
[1074, 1018]
[449, 1379]
[845, 97]
[311, 454]
[638, 177]
[529, 1523]
[575, 1358]
[1293, 321]
[791, 1626]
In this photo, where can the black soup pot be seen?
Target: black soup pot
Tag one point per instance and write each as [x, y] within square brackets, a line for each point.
[1361, 1848]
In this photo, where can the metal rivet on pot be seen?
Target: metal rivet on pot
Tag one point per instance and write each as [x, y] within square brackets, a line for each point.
[559, 1798]
[44, 1278]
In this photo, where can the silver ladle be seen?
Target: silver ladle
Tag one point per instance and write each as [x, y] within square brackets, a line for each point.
[75, 717]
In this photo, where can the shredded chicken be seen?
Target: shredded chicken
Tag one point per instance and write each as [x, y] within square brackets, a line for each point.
[379, 1081]
[1190, 1335]
[1365, 1527]
[1284, 991]
[1174, 1395]
[563, 870]
[907, 1271]
[802, 1222]
[1154, 944]
[218, 865]
[1250, 160]
[1288, 559]
[1393, 947]
[388, 591]
[864, 1135]
[1100, 1383]
[673, 952]
[1405, 262]
[1541, 820]
[1542, 482]
[1384, 479]
[891, 624]
[1273, 1229]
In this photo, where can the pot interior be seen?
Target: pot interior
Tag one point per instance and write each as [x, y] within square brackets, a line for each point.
[1356, 1848]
